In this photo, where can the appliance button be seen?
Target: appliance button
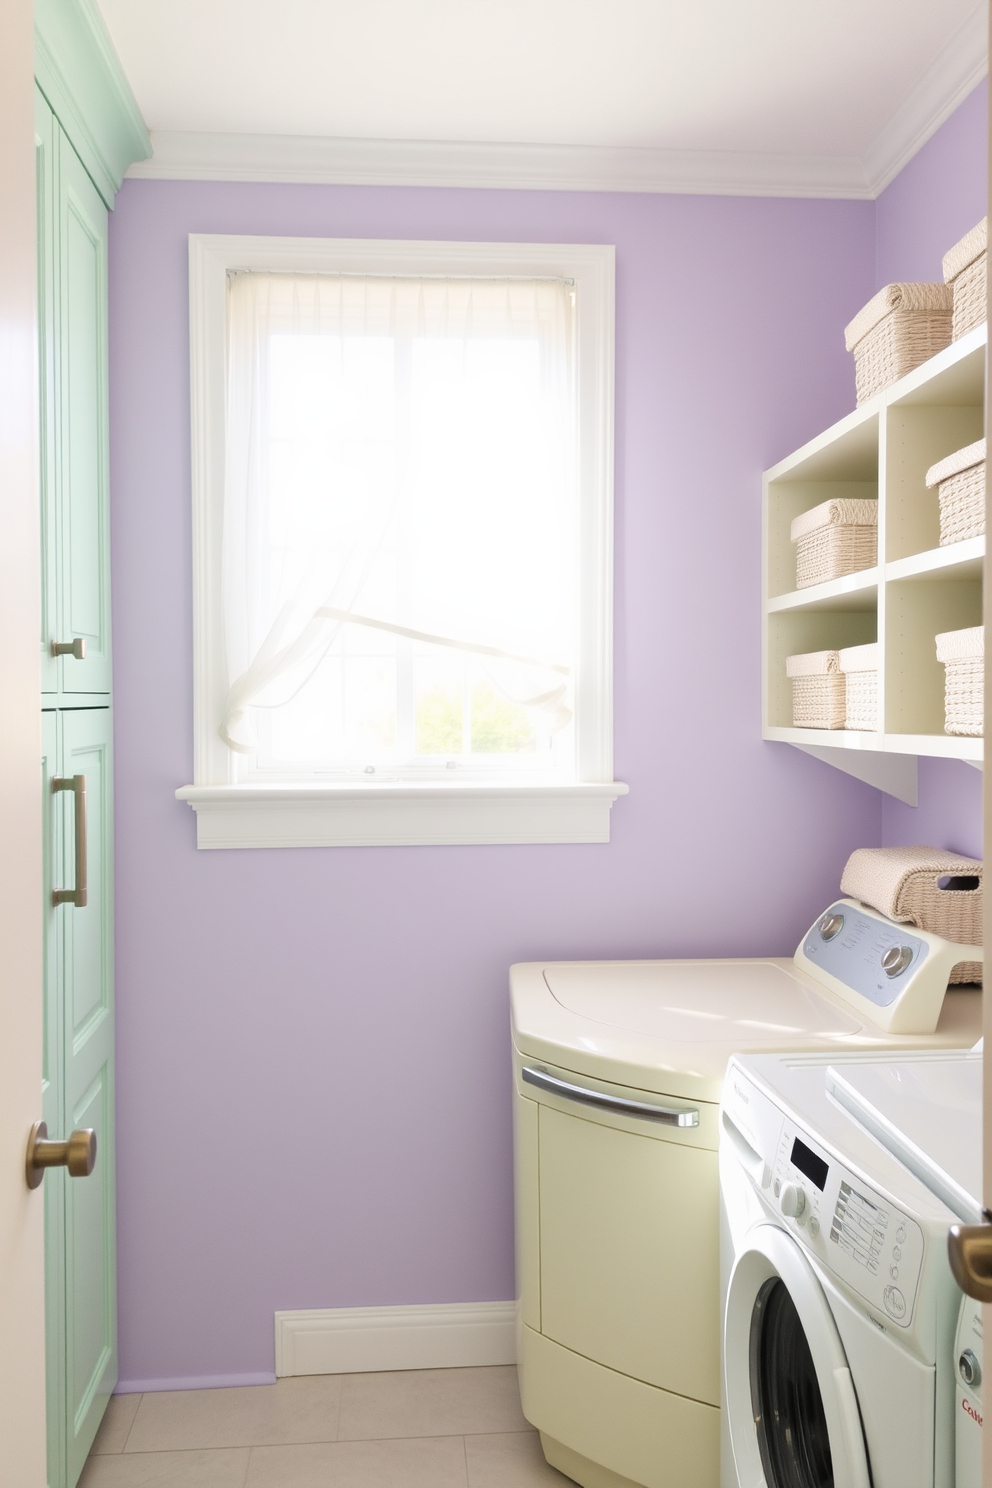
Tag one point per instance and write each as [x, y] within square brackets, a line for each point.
[901, 1233]
[895, 1302]
[793, 1200]
[814, 1226]
[830, 926]
[896, 959]
[894, 1272]
[896, 1253]
[970, 1369]
[777, 1187]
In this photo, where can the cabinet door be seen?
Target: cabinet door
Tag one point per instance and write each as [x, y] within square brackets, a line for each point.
[46, 164]
[629, 1252]
[51, 1105]
[84, 533]
[87, 1057]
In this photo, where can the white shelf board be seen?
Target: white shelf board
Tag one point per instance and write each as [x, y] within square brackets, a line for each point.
[848, 450]
[857, 591]
[937, 746]
[954, 375]
[960, 560]
[825, 738]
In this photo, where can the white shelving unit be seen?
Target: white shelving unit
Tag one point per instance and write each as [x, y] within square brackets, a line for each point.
[918, 589]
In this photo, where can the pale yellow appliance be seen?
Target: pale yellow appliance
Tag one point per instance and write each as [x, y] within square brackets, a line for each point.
[618, 1068]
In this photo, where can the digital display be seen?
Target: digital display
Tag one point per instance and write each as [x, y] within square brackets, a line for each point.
[808, 1163]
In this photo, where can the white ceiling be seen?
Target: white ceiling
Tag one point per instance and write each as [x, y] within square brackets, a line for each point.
[819, 76]
[810, 78]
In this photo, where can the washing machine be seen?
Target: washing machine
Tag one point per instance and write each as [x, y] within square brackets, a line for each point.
[840, 1313]
[618, 1070]
[927, 1111]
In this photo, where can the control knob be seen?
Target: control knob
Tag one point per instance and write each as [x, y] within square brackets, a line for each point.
[831, 925]
[970, 1369]
[793, 1201]
[896, 959]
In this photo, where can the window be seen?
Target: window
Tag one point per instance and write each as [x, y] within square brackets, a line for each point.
[402, 494]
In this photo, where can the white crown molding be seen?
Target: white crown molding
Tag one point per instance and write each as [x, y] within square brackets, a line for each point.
[952, 75]
[356, 1340]
[956, 70]
[509, 167]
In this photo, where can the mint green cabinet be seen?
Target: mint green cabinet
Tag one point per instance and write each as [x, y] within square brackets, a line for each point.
[78, 1091]
[72, 279]
[81, 1303]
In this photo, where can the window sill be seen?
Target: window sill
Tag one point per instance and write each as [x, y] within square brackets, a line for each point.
[399, 815]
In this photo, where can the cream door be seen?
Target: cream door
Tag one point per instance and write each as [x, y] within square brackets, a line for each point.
[22, 1302]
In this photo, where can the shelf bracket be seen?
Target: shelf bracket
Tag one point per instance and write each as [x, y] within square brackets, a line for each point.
[895, 774]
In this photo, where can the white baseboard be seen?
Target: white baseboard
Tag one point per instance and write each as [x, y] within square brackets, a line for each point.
[357, 1340]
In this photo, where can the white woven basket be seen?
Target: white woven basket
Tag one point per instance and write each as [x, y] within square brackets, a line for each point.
[960, 482]
[963, 655]
[835, 538]
[965, 270]
[817, 690]
[903, 326]
[859, 665]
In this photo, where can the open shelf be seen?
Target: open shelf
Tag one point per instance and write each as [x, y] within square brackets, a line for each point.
[919, 589]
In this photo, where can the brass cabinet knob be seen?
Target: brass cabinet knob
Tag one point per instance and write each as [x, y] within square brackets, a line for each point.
[76, 647]
[78, 1153]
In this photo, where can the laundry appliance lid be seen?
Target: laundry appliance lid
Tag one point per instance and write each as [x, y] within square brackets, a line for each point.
[669, 1027]
[926, 1111]
[716, 1002]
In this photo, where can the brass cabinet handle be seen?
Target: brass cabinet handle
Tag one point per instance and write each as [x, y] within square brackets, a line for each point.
[969, 1248]
[76, 784]
[76, 647]
[78, 1154]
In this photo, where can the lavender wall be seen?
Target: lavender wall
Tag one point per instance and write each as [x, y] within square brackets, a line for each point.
[324, 1033]
[930, 205]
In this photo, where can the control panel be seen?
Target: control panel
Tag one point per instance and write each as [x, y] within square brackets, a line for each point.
[863, 1238]
[894, 975]
[870, 955]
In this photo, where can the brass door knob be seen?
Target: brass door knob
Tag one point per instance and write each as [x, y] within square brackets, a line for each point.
[78, 1154]
[969, 1249]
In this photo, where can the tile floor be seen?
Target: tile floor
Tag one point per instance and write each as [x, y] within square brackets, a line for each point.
[423, 1428]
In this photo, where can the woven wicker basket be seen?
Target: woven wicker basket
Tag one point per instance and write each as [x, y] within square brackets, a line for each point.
[963, 655]
[960, 482]
[817, 690]
[905, 884]
[859, 665]
[965, 271]
[833, 539]
[903, 326]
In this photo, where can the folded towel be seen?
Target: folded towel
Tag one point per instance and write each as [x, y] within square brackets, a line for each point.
[856, 513]
[859, 658]
[962, 459]
[971, 246]
[897, 297]
[812, 664]
[902, 882]
[961, 645]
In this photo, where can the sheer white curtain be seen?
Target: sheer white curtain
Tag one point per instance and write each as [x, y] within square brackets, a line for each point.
[400, 459]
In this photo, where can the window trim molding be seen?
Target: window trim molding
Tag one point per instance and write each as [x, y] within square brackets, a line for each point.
[305, 814]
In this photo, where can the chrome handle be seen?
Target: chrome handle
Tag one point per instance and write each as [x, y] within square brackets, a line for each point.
[76, 647]
[78, 1154]
[667, 1115]
[76, 784]
[969, 1249]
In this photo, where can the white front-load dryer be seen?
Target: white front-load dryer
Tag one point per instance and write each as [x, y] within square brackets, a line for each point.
[839, 1309]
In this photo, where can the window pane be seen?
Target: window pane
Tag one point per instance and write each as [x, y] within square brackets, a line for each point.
[440, 703]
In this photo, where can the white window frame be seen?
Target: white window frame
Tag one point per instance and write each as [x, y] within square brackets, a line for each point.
[394, 813]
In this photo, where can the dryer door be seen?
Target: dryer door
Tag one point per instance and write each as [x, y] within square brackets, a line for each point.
[791, 1403]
